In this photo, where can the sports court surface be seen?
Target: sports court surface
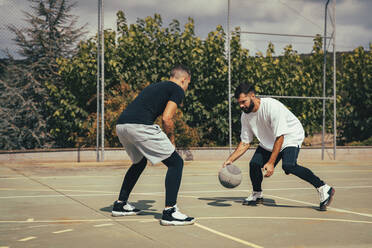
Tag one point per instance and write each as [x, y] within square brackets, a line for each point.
[65, 205]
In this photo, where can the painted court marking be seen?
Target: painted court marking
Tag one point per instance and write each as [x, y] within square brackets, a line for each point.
[63, 231]
[193, 194]
[285, 218]
[102, 225]
[219, 191]
[27, 239]
[38, 226]
[144, 184]
[312, 204]
[163, 175]
[224, 235]
[144, 220]
[329, 208]
[228, 236]
[48, 196]
[148, 220]
[108, 193]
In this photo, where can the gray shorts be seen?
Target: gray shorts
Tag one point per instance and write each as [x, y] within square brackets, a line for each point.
[147, 141]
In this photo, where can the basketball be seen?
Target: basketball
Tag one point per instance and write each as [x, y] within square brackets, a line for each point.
[230, 176]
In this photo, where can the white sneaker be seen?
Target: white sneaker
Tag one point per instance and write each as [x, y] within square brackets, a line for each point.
[254, 199]
[326, 194]
[124, 209]
[173, 217]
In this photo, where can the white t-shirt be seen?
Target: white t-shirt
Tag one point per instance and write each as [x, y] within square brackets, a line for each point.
[272, 120]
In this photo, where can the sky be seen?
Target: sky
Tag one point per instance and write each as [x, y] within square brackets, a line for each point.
[300, 17]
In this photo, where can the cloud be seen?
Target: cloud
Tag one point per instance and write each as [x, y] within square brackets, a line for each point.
[174, 7]
[353, 18]
[357, 13]
[276, 16]
[350, 36]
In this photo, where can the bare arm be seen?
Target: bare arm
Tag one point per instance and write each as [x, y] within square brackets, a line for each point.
[167, 120]
[269, 166]
[239, 151]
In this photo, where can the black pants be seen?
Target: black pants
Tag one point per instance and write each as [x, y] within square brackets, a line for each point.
[172, 179]
[289, 164]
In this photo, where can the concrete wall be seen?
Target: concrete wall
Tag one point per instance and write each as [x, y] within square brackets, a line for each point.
[197, 154]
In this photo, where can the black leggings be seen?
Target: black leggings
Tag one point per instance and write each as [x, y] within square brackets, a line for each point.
[289, 164]
[172, 179]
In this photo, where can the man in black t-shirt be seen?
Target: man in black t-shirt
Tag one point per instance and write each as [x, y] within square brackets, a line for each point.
[144, 141]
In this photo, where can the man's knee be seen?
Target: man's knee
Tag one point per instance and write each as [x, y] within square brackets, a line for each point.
[254, 165]
[174, 160]
[141, 164]
[288, 167]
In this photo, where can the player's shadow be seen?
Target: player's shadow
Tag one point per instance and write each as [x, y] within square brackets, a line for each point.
[144, 205]
[221, 201]
[271, 203]
[226, 202]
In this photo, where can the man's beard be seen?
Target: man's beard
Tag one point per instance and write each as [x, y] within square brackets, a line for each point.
[248, 109]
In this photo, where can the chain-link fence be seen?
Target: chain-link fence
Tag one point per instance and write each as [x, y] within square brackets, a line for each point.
[62, 91]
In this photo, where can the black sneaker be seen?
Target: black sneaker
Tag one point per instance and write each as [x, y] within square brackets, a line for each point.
[173, 217]
[123, 209]
[254, 199]
[326, 194]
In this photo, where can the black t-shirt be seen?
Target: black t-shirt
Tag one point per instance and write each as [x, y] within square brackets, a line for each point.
[151, 102]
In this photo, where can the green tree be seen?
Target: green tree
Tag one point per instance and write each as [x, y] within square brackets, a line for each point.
[145, 52]
[51, 35]
[22, 124]
[355, 91]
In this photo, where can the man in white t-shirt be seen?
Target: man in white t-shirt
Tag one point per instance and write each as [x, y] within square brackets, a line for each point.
[280, 135]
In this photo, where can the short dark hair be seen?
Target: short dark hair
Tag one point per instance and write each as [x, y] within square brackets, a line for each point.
[179, 69]
[243, 88]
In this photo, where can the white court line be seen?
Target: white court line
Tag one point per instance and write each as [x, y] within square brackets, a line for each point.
[228, 236]
[285, 218]
[328, 208]
[38, 226]
[274, 189]
[102, 225]
[27, 239]
[48, 196]
[119, 175]
[63, 231]
[181, 192]
[151, 184]
[163, 175]
[148, 220]
[57, 177]
[68, 221]
[161, 192]
[49, 190]
[340, 171]
[144, 220]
